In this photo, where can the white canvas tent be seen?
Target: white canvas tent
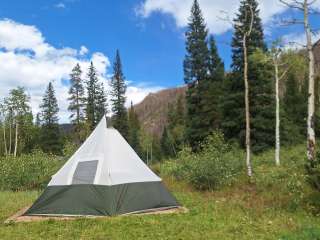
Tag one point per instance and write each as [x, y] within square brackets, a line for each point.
[104, 177]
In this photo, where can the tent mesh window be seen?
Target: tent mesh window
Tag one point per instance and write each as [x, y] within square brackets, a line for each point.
[85, 172]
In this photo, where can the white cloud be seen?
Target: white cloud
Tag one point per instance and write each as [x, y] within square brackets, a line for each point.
[29, 36]
[60, 5]
[27, 60]
[213, 11]
[83, 50]
[137, 94]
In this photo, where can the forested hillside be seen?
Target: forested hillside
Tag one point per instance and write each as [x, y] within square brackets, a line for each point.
[153, 110]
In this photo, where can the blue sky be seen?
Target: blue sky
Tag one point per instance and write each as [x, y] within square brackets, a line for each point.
[42, 40]
[151, 50]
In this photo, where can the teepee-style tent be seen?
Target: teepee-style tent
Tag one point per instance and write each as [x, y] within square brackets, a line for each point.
[104, 177]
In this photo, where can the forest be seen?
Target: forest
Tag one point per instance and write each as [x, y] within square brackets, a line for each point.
[241, 142]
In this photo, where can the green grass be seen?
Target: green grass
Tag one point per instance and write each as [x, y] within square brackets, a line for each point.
[233, 213]
[273, 206]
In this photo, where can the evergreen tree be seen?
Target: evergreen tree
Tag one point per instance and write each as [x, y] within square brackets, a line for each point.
[101, 103]
[294, 101]
[260, 84]
[216, 65]
[96, 98]
[254, 41]
[76, 100]
[180, 111]
[262, 102]
[175, 130]
[212, 89]
[196, 67]
[118, 98]
[166, 144]
[134, 130]
[50, 139]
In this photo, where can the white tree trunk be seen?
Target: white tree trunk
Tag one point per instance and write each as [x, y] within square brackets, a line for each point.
[5, 139]
[247, 107]
[10, 136]
[147, 157]
[246, 94]
[277, 147]
[151, 154]
[311, 138]
[16, 139]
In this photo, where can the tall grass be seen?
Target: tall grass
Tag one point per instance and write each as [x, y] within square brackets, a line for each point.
[28, 171]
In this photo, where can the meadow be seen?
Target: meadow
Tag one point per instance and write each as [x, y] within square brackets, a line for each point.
[276, 204]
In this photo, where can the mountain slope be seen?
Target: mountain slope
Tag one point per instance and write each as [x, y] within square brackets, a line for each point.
[153, 110]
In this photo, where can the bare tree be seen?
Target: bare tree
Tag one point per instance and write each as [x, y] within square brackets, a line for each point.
[246, 34]
[276, 60]
[3, 118]
[249, 15]
[305, 6]
[16, 138]
[10, 130]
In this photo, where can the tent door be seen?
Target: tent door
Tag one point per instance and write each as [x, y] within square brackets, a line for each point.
[85, 172]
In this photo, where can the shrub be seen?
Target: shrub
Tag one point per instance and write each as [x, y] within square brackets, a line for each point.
[313, 170]
[69, 149]
[215, 165]
[28, 171]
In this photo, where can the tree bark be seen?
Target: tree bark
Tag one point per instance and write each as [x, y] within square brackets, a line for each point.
[277, 147]
[246, 95]
[10, 136]
[16, 139]
[247, 107]
[311, 141]
[5, 139]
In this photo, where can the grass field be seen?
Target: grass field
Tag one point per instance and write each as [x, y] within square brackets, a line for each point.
[237, 212]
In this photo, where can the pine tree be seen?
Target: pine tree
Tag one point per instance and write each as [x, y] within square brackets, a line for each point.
[216, 65]
[167, 148]
[101, 103]
[134, 130]
[233, 105]
[196, 66]
[212, 89]
[76, 100]
[180, 111]
[254, 41]
[96, 98]
[175, 129]
[262, 102]
[294, 101]
[118, 98]
[50, 139]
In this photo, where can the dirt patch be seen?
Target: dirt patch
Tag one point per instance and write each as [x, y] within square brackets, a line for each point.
[18, 217]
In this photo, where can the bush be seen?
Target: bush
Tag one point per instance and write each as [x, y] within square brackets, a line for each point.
[69, 149]
[313, 170]
[215, 165]
[28, 171]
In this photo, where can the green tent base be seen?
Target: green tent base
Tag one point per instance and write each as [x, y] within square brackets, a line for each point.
[101, 200]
